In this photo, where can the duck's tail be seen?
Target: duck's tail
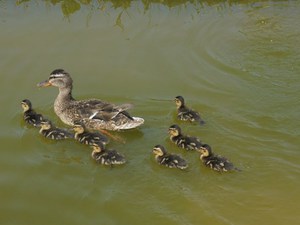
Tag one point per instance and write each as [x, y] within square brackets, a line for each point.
[126, 124]
[130, 124]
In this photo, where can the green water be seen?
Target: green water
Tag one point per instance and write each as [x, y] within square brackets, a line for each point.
[237, 63]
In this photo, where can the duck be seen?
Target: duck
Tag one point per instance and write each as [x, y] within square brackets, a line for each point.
[29, 114]
[48, 130]
[186, 114]
[167, 159]
[105, 156]
[95, 114]
[215, 162]
[183, 141]
[86, 137]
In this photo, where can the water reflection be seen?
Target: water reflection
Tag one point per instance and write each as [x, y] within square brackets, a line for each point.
[69, 7]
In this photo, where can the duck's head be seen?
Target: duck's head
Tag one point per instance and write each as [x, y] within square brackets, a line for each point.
[97, 147]
[205, 151]
[174, 130]
[179, 101]
[26, 105]
[46, 124]
[58, 78]
[159, 150]
[78, 127]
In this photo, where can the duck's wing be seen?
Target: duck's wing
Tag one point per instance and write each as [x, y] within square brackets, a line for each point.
[192, 143]
[95, 108]
[178, 161]
[168, 161]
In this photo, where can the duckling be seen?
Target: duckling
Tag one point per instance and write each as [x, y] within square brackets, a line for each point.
[105, 156]
[88, 138]
[50, 131]
[186, 114]
[168, 160]
[30, 116]
[183, 141]
[215, 162]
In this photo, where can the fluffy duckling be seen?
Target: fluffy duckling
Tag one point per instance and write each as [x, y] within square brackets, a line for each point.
[105, 156]
[48, 130]
[88, 138]
[215, 162]
[183, 141]
[168, 160]
[29, 115]
[186, 114]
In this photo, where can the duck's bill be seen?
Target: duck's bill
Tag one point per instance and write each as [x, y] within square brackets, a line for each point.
[45, 83]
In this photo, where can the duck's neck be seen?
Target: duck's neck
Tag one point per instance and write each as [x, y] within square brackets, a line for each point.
[206, 157]
[176, 137]
[43, 129]
[64, 97]
[96, 152]
[182, 106]
[77, 133]
[65, 93]
[157, 157]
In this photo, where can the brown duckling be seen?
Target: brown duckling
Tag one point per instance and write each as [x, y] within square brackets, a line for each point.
[29, 115]
[168, 160]
[86, 137]
[215, 162]
[186, 114]
[183, 141]
[48, 130]
[106, 156]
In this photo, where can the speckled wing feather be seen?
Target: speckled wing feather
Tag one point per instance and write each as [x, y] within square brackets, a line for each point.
[193, 143]
[90, 138]
[187, 114]
[188, 143]
[167, 161]
[110, 157]
[95, 108]
[57, 134]
[31, 117]
[219, 163]
[173, 161]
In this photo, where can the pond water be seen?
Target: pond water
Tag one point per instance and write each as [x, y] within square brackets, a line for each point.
[237, 63]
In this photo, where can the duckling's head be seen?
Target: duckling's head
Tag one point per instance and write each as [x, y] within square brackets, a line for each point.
[205, 151]
[58, 78]
[26, 105]
[159, 150]
[97, 147]
[179, 101]
[78, 127]
[174, 130]
[46, 124]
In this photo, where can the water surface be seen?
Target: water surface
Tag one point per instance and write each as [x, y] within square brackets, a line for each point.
[237, 63]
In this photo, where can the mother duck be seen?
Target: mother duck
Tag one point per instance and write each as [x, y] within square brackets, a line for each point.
[93, 113]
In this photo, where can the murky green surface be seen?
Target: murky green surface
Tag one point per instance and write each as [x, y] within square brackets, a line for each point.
[238, 64]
